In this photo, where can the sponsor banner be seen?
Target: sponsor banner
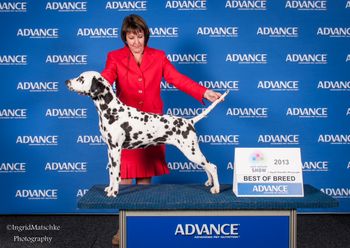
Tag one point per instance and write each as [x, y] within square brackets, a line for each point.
[270, 189]
[208, 231]
[288, 80]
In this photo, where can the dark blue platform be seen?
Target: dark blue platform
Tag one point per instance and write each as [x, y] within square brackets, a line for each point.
[197, 197]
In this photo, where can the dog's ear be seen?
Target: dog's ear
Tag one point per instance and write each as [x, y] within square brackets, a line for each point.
[97, 87]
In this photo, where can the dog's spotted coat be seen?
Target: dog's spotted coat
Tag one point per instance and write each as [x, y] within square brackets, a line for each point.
[124, 127]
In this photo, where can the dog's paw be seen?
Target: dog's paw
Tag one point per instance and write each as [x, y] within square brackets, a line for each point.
[112, 193]
[107, 188]
[215, 190]
[208, 183]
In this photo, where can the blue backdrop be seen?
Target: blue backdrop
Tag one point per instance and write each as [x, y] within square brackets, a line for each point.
[285, 62]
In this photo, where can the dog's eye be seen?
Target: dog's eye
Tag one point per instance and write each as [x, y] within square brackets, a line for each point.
[81, 79]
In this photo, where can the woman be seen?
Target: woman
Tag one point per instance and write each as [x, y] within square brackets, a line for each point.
[138, 70]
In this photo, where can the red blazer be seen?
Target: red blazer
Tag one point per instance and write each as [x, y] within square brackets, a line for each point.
[139, 87]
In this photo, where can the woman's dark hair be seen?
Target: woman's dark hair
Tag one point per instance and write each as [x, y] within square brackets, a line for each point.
[134, 23]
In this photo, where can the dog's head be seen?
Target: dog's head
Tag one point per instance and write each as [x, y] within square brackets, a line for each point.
[89, 83]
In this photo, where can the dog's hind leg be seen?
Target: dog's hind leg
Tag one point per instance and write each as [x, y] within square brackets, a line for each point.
[194, 154]
[114, 171]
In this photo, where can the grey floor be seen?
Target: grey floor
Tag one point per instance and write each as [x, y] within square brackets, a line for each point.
[96, 231]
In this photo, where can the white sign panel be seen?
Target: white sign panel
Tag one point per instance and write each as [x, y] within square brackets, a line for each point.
[268, 172]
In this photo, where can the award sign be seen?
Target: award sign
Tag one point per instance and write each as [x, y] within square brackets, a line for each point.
[268, 172]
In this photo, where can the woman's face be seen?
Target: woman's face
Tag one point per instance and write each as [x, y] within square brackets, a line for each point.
[136, 41]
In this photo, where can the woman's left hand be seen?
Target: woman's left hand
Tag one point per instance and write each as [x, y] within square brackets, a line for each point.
[211, 95]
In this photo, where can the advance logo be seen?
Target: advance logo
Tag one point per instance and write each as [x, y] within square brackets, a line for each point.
[248, 112]
[38, 33]
[184, 167]
[73, 6]
[315, 166]
[278, 32]
[320, 58]
[278, 85]
[13, 59]
[80, 59]
[247, 58]
[334, 139]
[98, 32]
[337, 192]
[334, 85]
[127, 5]
[79, 113]
[13, 114]
[185, 112]
[13, 6]
[38, 86]
[164, 32]
[37, 194]
[92, 140]
[221, 32]
[187, 5]
[219, 139]
[49, 140]
[246, 4]
[308, 112]
[196, 58]
[279, 139]
[13, 167]
[337, 32]
[65, 167]
[306, 4]
[205, 231]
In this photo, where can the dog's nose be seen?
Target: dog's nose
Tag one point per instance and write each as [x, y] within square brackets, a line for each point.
[67, 82]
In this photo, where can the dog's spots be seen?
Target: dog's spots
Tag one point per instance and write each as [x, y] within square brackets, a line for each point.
[162, 119]
[126, 127]
[103, 106]
[121, 109]
[127, 130]
[160, 140]
[108, 97]
[149, 136]
[188, 130]
[110, 117]
[114, 164]
[110, 141]
[146, 118]
[169, 133]
[136, 144]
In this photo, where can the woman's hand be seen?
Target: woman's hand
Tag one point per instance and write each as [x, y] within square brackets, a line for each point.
[211, 95]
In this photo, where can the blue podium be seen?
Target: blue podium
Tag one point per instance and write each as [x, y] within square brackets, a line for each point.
[190, 216]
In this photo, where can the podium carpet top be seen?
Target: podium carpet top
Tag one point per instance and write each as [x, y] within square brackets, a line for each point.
[196, 197]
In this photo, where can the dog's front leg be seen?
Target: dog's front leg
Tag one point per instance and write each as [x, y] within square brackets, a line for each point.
[109, 172]
[114, 171]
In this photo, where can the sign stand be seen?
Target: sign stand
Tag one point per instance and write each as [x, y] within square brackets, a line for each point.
[268, 172]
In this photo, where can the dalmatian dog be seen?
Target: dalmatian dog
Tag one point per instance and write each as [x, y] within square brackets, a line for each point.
[124, 127]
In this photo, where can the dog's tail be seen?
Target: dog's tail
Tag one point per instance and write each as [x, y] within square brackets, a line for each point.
[210, 108]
